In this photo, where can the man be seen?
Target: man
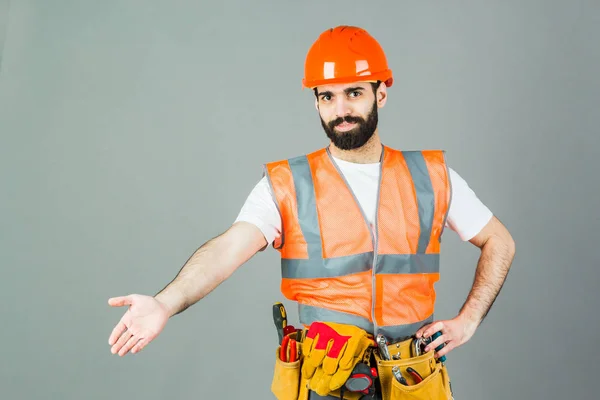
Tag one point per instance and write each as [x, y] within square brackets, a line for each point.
[358, 225]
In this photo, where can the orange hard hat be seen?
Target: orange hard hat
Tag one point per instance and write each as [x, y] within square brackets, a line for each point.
[345, 54]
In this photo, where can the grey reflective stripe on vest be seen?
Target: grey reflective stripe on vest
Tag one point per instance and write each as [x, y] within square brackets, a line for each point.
[400, 332]
[449, 200]
[326, 268]
[307, 206]
[309, 314]
[408, 263]
[425, 197]
[340, 266]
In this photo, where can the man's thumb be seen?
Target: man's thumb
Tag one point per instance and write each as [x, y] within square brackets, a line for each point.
[120, 301]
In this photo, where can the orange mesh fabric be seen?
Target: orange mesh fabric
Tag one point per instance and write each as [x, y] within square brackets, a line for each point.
[400, 299]
[404, 298]
[344, 230]
[398, 219]
[348, 293]
[439, 180]
[282, 182]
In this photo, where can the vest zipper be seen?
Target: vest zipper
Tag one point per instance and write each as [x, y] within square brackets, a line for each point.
[375, 237]
[372, 232]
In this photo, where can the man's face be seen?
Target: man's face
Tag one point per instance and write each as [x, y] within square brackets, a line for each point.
[348, 113]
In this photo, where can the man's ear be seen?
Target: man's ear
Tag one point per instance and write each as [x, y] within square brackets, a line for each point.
[381, 95]
[317, 104]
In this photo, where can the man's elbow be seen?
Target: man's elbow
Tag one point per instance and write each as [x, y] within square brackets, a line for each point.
[505, 243]
[237, 245]
[499, 240]
[511, 246]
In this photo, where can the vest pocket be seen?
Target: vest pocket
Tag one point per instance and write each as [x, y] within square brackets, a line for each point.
[286, 378]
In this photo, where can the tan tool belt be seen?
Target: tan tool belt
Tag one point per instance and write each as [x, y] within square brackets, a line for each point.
[434, 386]
[288, 383]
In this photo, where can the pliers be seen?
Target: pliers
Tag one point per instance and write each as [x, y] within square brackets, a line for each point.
[416, 376]
[289, 350]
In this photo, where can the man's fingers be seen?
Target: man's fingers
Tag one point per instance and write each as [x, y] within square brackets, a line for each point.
[435, 327]
[140, 345]
[122, 340]
[440, 340]
[419, 333]
[447, 349]
[120, 301]
[130, 343]
[117, 332]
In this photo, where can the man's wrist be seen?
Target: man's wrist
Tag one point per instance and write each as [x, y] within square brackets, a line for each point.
[167, 303]
[469, 318]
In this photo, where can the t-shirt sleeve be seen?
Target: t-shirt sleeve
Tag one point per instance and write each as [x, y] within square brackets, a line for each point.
[260, 209]
[467, 214]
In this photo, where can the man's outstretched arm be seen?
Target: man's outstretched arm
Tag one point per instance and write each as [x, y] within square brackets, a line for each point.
[210, 265]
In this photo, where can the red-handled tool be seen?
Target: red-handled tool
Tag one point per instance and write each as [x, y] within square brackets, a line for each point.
[416, 376]
[293, 350]
[283, 350]
[289, 350]
[288, 329]
[398, 375]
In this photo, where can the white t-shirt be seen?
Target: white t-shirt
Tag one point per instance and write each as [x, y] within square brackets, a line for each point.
[467, 214]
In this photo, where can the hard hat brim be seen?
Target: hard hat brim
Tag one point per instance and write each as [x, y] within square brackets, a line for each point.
[384, 76]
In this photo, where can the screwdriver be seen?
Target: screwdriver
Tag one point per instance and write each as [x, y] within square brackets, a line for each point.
[280, 319]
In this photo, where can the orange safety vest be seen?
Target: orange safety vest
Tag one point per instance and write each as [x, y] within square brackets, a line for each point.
[336, 267]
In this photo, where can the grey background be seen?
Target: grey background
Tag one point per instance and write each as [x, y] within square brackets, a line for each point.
[132, 132]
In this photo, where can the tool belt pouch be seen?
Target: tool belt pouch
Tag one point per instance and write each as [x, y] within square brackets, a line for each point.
[434, 386]
[286, 377]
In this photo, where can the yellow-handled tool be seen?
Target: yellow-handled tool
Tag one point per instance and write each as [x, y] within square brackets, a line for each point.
[280, 319]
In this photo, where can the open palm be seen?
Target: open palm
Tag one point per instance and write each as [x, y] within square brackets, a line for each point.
[141, 323]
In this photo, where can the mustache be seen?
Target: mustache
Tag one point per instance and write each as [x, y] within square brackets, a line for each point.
[349, 119]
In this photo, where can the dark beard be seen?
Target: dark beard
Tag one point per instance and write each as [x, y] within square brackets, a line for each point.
[356, 137]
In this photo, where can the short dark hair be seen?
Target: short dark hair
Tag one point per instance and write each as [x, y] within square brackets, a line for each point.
[374, 86]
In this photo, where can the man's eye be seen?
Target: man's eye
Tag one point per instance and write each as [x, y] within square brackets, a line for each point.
[326, 98]
[356, 92]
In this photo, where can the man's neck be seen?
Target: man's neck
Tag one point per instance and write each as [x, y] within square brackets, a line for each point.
[369, 153]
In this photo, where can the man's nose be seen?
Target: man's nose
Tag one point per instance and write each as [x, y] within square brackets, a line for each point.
[342, 108]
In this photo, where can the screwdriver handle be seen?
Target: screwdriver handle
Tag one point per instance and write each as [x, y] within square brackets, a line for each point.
[280, 319]
[441, 346]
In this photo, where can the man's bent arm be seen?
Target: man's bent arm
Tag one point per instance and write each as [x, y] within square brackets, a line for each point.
[497, 253]
[210, 265]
